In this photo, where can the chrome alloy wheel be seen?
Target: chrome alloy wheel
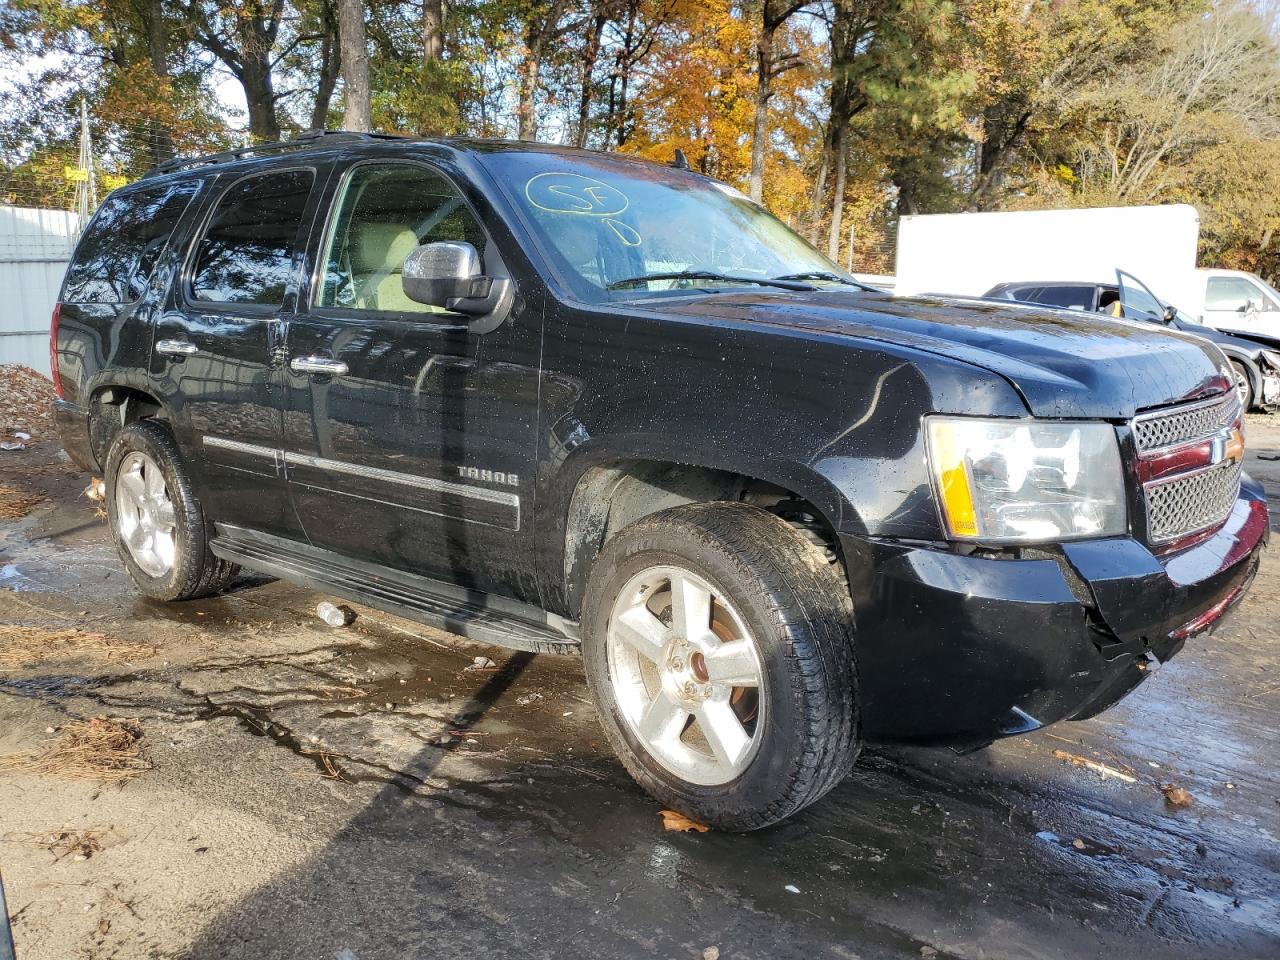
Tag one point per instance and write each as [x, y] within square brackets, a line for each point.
[686, 675]
[144, 514]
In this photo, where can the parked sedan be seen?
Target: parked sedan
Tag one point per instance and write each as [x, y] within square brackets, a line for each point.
[1256, 364]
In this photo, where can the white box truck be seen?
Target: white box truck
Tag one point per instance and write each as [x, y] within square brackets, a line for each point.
[966, 254]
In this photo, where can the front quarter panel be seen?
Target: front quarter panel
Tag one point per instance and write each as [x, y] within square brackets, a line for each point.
[835, 420]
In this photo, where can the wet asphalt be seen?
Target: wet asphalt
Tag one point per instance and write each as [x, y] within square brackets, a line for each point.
[368, 792]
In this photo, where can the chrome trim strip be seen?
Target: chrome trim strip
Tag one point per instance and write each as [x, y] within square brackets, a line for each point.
[405, 479]
[250, 449]
[501, 497]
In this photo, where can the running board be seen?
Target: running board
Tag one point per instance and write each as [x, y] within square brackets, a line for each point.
[478, 616]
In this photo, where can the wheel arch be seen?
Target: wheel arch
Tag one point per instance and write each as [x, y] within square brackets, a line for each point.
[606, 496]
[113, 406]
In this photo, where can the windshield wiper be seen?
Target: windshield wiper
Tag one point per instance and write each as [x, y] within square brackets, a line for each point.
[826, 275]
[783, 283]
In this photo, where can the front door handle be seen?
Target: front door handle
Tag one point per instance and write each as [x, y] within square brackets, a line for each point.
[176, 348]
[318, 365]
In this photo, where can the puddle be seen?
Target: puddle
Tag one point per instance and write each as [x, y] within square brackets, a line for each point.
[52, 689]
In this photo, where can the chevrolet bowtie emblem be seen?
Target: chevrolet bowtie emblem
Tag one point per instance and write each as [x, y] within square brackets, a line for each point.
[1227, 446]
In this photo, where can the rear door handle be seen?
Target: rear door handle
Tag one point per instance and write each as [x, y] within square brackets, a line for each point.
[176, 348]
[318, 365]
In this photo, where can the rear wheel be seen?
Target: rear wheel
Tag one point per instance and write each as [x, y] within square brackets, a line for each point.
[158, 525]
[718, 648]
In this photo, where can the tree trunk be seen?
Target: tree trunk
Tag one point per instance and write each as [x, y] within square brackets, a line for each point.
[589, 57]
[159, 136]
[357, 113]
[259, 95]
[760, 130]
[330, 66]
[840, 153]
[432, 30]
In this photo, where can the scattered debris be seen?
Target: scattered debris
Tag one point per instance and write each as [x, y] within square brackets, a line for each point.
[335, 615]
[678, 822]
[96, 493]
[25, 396]
[1099, 768]
[79, 845]
[21, 435]
[16, 504]
[1078, 844]
[927, 951]
[791, 888]
[527, 699]
[98, 749]
[26, 646]
[1176, 796]
[12, 445]
[481, 663]
[711, 953]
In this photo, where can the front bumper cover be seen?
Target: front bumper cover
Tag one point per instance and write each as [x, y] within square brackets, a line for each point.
[961, 650]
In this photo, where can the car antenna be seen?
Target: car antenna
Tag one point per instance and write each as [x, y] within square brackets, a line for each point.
[681, 162]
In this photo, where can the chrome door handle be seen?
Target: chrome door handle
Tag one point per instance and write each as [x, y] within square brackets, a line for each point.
[176, 348]
[319, 365]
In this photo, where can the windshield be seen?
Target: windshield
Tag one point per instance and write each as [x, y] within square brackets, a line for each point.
[608, 223]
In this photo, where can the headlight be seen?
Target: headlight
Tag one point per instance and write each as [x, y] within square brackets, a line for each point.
[1024, 481]
[1272, 358]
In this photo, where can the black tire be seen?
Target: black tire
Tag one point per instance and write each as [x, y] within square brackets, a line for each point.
[1244, 385]
[795, 604]
[196, 572]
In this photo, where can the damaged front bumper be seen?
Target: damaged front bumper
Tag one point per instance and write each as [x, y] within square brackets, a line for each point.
[961, 650]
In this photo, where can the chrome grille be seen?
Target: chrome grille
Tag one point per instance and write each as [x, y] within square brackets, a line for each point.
[1192, 502]
[1153, 431]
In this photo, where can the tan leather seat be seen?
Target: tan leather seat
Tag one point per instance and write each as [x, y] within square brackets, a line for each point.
[377, 254]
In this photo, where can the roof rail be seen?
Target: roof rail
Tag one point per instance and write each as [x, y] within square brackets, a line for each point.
[302, 141]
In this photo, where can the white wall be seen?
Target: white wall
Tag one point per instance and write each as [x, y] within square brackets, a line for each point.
[969, 253]
[35, 246]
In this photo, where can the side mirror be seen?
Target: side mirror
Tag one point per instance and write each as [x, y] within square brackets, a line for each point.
[438, 273]
[1244, 307]
[1170, 313]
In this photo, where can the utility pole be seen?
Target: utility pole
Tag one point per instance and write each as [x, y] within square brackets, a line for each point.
[86, 196]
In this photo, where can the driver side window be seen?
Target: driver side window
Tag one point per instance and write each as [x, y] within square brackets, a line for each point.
[385, 211]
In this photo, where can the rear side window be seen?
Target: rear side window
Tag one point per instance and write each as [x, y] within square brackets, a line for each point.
[120, 248]
[1071, 297]
[246, 253]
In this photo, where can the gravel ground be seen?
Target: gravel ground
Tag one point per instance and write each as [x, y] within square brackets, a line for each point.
[311, 792]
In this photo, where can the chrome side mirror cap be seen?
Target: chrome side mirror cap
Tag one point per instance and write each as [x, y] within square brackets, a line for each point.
[439, 273]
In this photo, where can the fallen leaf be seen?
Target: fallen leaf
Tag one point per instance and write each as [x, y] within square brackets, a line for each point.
[1176, 796]
[673, 820]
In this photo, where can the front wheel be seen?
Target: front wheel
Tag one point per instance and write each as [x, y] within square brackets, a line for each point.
[719, 651]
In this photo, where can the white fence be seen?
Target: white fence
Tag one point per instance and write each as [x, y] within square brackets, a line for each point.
[35, 247]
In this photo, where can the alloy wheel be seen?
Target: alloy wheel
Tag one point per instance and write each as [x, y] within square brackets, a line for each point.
[145, 518]
[686, 675]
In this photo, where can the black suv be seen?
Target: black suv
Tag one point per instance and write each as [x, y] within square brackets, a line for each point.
[570, 402]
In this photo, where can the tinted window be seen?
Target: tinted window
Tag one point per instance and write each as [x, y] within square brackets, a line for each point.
[123, 243]
[246, 254]
[1073, 298]
[386, 210]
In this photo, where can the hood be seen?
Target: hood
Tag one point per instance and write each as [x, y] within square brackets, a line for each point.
[1063, 363]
